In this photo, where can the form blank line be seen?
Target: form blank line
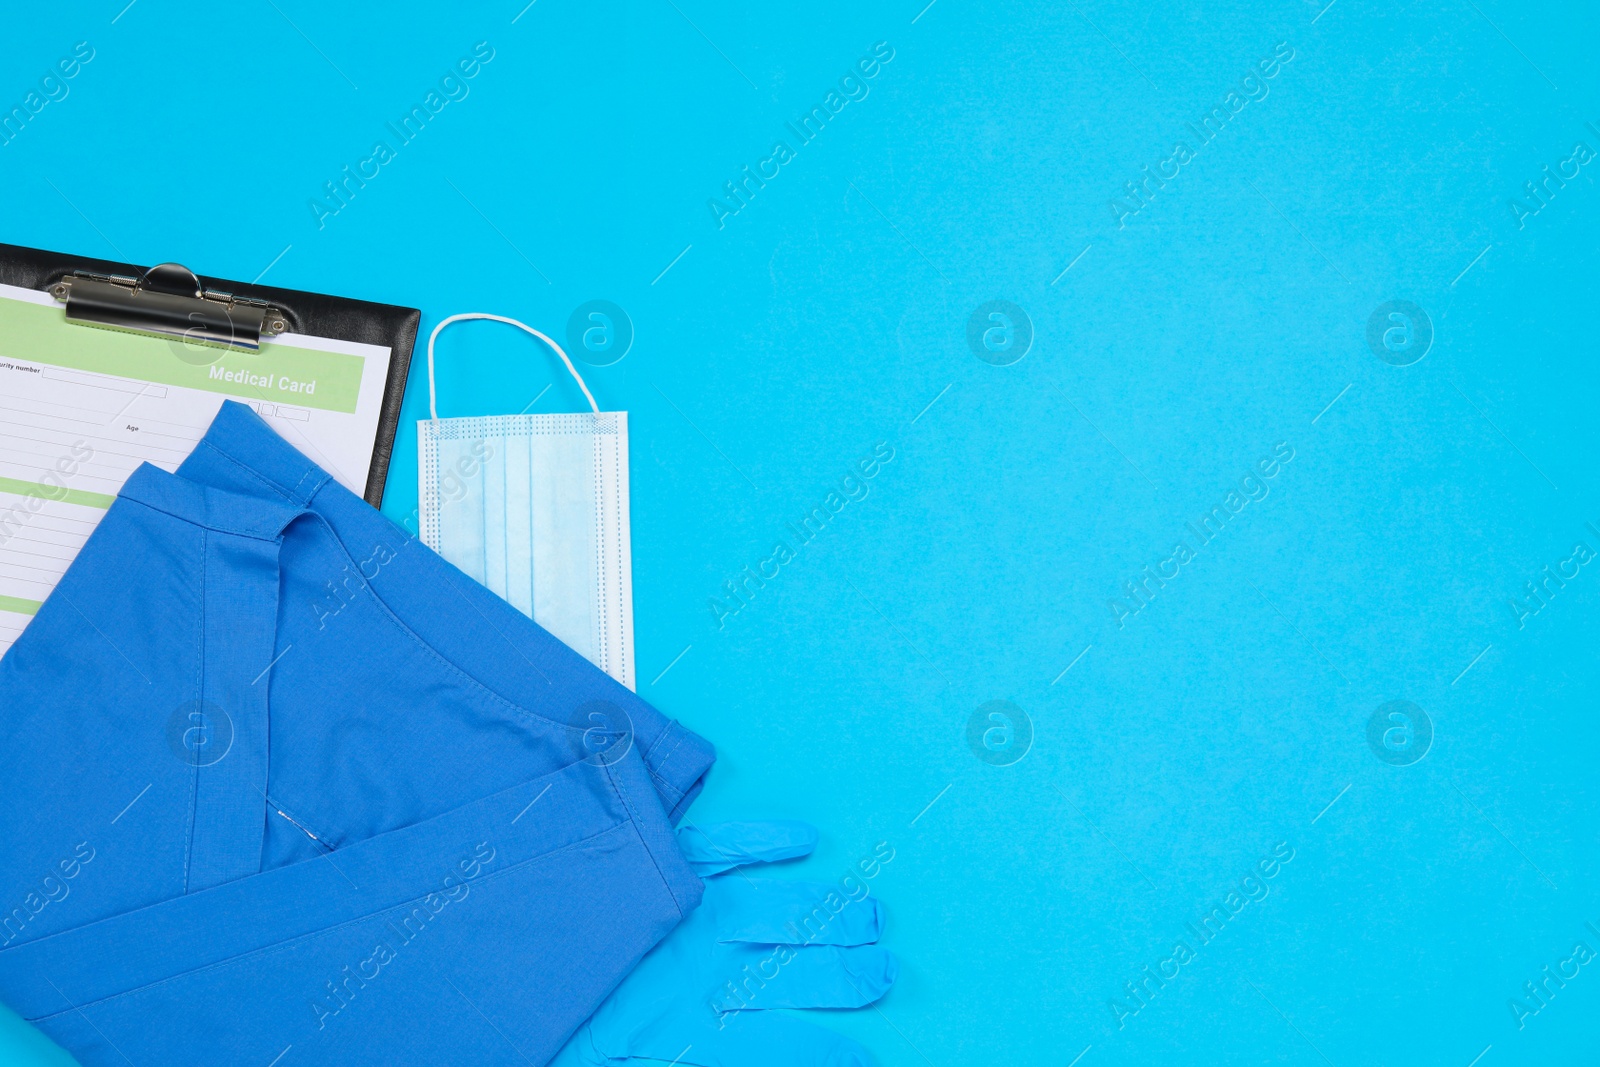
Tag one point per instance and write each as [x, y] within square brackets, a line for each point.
[101, 381]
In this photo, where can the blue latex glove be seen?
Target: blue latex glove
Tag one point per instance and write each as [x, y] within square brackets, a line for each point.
[701, 997]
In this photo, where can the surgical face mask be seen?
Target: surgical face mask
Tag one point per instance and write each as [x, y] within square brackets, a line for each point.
[535, 507]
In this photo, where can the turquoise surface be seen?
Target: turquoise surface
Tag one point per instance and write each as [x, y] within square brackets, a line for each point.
[1369, 272]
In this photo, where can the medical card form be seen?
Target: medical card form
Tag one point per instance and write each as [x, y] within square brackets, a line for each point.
[81, 408]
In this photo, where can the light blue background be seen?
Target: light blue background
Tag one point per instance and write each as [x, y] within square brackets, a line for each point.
[828, 314]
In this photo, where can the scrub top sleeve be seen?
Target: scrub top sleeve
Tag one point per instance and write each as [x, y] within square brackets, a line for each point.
[484, 935]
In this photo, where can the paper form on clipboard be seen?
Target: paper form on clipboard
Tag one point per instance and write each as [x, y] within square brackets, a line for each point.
[81, 408]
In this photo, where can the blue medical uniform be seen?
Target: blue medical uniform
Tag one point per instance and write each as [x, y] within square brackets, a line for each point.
[277, 781]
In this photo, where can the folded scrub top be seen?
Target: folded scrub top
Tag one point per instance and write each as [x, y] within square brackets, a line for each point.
[279, 785]
[457, 617]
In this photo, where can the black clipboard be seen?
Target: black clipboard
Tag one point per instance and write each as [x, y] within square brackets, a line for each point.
[168, 299]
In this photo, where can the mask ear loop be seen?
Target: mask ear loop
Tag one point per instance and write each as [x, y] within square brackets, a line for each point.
[433, 399]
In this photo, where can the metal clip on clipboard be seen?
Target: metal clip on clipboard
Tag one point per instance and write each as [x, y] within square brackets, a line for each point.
[168, 301]
[219, 318]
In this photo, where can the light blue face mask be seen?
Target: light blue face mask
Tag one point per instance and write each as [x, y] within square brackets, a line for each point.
[536, 508]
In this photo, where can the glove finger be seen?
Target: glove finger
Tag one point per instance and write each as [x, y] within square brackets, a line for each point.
[781, 976]
[740, 1039]
[723, 846]
[783, 912]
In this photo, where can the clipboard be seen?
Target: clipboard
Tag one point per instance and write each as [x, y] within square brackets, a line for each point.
[169, 300]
